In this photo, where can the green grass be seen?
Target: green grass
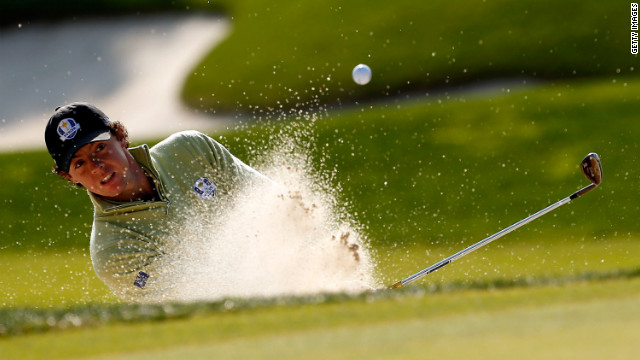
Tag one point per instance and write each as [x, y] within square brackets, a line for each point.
[423, 183]
[454, 169]
[584, 320]
[34, 204]
[287, 55]
[50, 279]
[424, 169]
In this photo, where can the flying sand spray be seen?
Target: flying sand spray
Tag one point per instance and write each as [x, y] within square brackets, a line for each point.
[289, 237]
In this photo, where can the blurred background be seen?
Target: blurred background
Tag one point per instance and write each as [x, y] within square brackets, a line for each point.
[477, 115]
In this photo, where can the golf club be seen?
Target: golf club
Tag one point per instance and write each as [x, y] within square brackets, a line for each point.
[592, 169]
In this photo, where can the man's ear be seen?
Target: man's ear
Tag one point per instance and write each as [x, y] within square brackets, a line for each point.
[67, 176]
[123, 143]
[122, 136]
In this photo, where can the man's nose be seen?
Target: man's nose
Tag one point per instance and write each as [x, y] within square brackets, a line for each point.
[97, 163]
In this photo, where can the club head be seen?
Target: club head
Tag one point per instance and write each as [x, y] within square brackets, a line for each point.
[592, 168]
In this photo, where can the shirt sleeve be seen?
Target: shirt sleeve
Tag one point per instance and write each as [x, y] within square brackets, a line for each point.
[222, 158]
[230, 171]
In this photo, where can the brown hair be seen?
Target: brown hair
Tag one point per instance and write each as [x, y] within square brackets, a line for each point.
[117, 129]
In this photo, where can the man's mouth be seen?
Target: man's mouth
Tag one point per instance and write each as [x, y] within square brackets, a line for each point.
[106, 179]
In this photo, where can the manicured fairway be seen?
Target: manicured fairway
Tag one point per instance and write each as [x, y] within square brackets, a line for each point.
[590, 320]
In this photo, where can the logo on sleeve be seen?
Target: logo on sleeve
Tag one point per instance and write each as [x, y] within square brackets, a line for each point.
[205, 188]
[141, 279]
[67, 129]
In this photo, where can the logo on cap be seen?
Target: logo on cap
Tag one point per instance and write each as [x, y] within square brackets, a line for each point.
[67, 129]
[205, 188]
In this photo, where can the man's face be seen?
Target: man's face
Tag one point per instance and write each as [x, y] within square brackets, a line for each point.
[102, 167]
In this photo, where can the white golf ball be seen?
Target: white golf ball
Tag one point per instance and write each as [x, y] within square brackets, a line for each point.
[361, 74]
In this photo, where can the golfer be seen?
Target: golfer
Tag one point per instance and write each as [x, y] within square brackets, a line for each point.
[142, 196]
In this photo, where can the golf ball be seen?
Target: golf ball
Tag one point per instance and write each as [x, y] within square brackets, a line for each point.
[361, 74]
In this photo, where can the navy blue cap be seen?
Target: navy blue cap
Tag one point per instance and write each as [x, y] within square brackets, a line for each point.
[71, 127]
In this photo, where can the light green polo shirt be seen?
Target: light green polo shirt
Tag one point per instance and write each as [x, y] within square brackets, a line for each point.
[133, 244]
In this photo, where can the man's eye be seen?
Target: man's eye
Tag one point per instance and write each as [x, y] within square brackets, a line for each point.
[78, 164]
[100, 147]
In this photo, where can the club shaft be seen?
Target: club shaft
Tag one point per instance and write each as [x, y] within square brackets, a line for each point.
[419, 275]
